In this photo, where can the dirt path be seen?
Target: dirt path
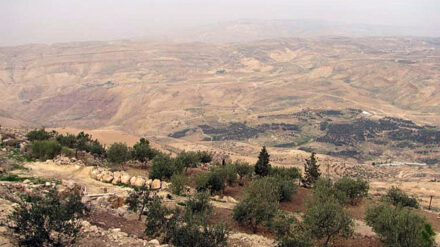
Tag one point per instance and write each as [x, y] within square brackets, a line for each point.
[79, 174]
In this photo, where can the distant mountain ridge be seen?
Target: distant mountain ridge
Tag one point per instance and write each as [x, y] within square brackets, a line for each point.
[252, 30]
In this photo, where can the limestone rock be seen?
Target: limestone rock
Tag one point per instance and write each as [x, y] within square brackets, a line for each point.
[107, 177]
[140, 182]
[155, 185]
[133, 180]
[148, 183]
[230, 199]
[99, 175]
[116, 178]
[125, 178]
[154, 242]
[165, 185]
[70, 184]
[94, 173]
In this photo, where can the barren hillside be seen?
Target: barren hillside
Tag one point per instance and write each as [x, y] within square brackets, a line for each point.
[195, 91]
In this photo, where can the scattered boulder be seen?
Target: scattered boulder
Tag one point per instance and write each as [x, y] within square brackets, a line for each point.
[155, 185]
[154, 242]
[133, 180]
[148, 183]
[140, 182]
[99, 175]
[107, 177]
[116, 178]
[125, 178]
[165, 185]
[229, 199]
[94, 173]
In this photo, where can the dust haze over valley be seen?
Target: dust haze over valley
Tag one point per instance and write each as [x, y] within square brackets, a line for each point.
[358, 83]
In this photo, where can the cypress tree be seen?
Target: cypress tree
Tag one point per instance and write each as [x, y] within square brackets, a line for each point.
[311, 169]
[262, 166]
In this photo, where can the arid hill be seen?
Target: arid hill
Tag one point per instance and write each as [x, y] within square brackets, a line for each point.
[200, 92]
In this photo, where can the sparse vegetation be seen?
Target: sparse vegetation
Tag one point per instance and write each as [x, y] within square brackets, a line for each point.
[39, 135]
[259, 205]
[138, 200]
[48, 220]
[213, 181]
[230, 173]
[178, 183]
[156, 222]
[354, 190]
[244, 170]
[287, 189]
[187, 228]
[45, 149]
[285, 172]
[399, 198]
[400, 226]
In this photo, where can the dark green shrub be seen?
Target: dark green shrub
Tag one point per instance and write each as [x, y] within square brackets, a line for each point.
[400, 226]
[12, 178]
[67, 140]
[95, 148]
[163, 167]
[199, 204]
[192, 228]
[178, 183]
[399, 198]
[294, 241]
[156, 221]
[118, 153]
[290, 232]
[188, 159]
[191, 234]
[187, 229]
[81, 140]
[285, 172]
[68, 152]
[202, 181]
[230, 173]
[324, 189]
[243, 169]
[204, 156]
[45, 149]
[287, 189]
[354, 190]
[138, 200]
[142, 151]
[47, 220]
[214, 181]
[39, 135]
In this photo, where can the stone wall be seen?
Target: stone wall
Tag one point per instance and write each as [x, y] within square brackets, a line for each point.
[118, 177]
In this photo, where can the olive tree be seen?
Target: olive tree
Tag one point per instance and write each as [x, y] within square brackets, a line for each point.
[118, 153]
[400, 227]
[326, 219]
[46, 219]
[259, 205]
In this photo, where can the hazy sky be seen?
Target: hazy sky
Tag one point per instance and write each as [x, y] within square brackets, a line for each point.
[47, 21]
